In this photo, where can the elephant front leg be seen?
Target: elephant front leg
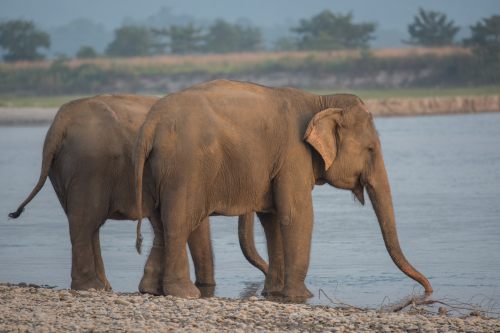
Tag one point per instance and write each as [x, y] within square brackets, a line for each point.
[151, 282]
[275, 277]
[297, 246]
[177, 229]
[295, 215]
[200, 246]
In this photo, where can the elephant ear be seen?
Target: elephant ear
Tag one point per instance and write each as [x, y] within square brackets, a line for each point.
[320, 134]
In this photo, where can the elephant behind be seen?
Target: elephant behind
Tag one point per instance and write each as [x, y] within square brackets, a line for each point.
[87, 155]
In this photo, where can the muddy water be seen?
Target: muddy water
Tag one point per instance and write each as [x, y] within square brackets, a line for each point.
[445, 175]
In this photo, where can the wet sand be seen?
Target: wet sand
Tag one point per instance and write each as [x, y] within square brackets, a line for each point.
[379, 107]
[36, 309]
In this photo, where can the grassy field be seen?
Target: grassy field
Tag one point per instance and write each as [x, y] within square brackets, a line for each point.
[56, 101]
[213, 62]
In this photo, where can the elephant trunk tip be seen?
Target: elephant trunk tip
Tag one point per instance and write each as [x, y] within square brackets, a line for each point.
[427, 287]
[420, 278]
[17, 213]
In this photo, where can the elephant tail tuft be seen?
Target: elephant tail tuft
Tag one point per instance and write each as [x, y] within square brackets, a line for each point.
[17, 213]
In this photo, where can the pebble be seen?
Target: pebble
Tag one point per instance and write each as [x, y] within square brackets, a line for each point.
[121, 301]
[38, 309]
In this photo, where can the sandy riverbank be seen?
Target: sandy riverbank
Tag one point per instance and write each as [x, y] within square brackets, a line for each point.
[11, 116]
[379, 107]
[35, 309]
[433, 105]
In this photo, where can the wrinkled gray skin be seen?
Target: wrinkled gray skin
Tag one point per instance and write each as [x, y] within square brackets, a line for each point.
[88, 156]
[230, 148]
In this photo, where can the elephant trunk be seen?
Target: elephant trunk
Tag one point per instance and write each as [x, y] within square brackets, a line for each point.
[379, 192]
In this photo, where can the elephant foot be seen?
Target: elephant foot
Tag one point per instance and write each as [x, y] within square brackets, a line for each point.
[269, 292]
[206, 290]
[107, 286]
[272, 288]
[86, 284]
[150, 286]
[297, 293]
[182, 289]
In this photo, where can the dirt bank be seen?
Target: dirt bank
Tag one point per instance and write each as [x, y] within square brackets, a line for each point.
[33, 309]
[433, 105]
[10, 116]
[379, 107]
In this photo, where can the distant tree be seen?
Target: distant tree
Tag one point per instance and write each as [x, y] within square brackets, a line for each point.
[431, 28]
[485, 39]
[250, 38]
[86, 52]
[285, 44]
[224, 37]
[131, 41]
[330, 31]
[181, 39]
[22, 39]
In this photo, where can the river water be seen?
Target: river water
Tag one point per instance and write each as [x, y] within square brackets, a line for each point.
[445, 177]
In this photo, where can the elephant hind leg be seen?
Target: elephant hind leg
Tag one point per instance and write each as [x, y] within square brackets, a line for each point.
[275, 277]
[177, 219]
[200, 247]
[151, 282]
[201, 251]
[83, 265]
[99, 264]
[87, 210]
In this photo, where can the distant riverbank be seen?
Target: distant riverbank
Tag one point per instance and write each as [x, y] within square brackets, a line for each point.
[47, 310]
[393, 68]
[379, 107]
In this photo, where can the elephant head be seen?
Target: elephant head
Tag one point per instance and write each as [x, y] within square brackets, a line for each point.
[350, 157]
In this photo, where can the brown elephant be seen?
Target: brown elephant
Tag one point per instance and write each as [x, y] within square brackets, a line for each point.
[88, 156]
[230, 148]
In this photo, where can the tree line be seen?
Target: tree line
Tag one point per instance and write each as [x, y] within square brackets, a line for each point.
[21, 40]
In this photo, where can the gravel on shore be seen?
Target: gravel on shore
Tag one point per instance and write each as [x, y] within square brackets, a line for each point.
[32, 308]
[387, 107]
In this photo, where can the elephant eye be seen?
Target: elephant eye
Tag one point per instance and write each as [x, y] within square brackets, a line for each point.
[371, 149]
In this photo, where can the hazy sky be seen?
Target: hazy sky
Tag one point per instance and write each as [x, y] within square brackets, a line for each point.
[73, 23]
[390, 14]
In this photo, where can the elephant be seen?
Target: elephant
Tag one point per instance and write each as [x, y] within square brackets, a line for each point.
[87, 154]
[229, 148]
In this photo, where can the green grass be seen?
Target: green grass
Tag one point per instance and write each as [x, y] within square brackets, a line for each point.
[416, 92]
[56, 101]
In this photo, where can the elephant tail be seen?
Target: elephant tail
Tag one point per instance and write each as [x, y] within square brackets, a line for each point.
[143, 146]
[51, 146]
[247, 242]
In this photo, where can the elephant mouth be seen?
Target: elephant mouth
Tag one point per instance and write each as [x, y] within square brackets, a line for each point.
[359, 192]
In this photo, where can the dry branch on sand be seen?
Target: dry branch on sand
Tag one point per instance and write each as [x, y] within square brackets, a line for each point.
[424, 304]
